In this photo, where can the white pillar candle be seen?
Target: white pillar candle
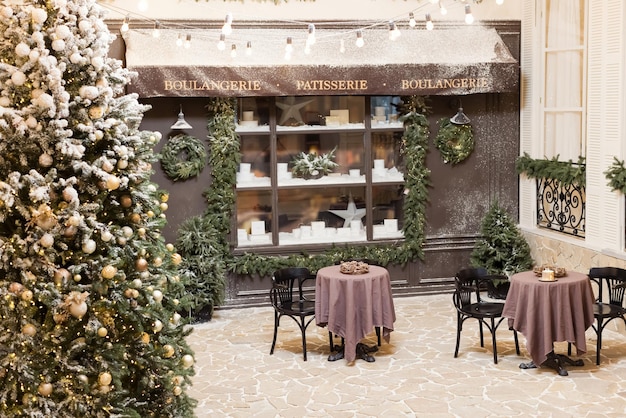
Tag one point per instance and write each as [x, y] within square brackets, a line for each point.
[248, 115]
[380, 110]
[258, 227]
[379, 164]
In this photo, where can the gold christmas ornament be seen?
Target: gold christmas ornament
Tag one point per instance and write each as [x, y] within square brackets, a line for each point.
[178, 380]
[165, 197]
[61, 276]
[169, 247]
[176, 259]
[141, 264]
[29, 329]
[102, 332]
[187, 361]
[104, 379]
[45, 389]
[27, 295]
[158, 261]
[108, 272]
[177, 390]
[16, 288]
[163, 206]
[126, 201]
[168, 351]
[135, 218]
[145, 338]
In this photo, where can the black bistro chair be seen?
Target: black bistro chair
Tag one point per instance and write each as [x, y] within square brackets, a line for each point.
[609, 304]
[469, 283]
[288, 299]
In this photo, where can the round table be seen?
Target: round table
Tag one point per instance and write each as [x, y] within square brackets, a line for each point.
[549, 312]
[352, 305]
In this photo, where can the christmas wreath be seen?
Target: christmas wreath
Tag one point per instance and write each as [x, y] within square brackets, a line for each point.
[454, 142]
[182, 157]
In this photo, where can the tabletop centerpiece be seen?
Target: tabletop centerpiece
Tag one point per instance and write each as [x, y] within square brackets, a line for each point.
[354, 267]
[312, 165]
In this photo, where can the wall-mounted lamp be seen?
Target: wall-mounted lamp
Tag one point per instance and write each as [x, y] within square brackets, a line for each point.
[181, 123]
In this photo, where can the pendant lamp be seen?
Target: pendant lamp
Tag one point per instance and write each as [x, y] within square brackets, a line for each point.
[181, 123]
[460, 118]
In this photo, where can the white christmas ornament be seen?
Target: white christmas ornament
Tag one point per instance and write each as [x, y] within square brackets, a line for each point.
[18, 78]
[89, 246]
[22, 50]
[157, 295]
[46, 240]
[45, 160]
[58, 45]
[39, 15]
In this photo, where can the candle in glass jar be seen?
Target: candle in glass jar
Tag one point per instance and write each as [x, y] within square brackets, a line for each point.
[547, 275]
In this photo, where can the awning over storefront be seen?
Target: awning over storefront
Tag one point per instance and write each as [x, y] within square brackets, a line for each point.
[438, 62]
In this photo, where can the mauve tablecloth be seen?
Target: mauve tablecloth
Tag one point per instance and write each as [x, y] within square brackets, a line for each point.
[548, 312]
[352, 305]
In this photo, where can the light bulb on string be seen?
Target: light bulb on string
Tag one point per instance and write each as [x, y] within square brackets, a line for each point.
[233, 50]
[288, 48]
[394, 32]
[249, 48]
[187, 43]
[227, 29]
[412, 22]
[469, 18]
[156, 32]
[310, 40]
[221, 45]
[142, 5]
[179, 40]
[125, 26]
[429, 22]
[442, 9]
[359, 39]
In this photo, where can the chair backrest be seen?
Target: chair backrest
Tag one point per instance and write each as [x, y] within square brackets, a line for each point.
[285, 281]
[614, 278]
[467, 282]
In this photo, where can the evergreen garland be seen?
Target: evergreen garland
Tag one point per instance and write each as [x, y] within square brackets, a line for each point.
[616, 175]
[203, 241]
[183, 157]
[454, 142]
[565, 172]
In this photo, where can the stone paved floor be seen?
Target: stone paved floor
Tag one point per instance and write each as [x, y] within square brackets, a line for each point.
[415, 375]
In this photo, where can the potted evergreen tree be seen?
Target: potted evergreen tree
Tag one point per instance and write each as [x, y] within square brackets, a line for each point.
[502, 249]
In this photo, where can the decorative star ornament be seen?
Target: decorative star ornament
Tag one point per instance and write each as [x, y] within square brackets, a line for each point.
[291, 109]
[351, 213]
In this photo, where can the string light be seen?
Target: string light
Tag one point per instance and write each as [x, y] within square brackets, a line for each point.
[125, 25]
[429, 22]
[156, 32]
[394, 32]
[233, 50]
[288, 48]
[227, 29]
[249, 48]
[442, 9]
[469, 18]
[221, 45]
[187, 43]
[359, 39]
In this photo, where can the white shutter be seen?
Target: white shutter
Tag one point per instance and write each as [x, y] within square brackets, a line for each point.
[606, 76]
[530, 94]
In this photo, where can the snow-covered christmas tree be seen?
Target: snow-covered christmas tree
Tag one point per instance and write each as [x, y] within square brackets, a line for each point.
[90, 291]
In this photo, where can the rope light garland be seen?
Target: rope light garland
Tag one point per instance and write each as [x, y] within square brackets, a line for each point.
[227, 30]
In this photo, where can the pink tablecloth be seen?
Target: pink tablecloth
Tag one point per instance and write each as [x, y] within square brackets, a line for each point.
[548, 312]
[352, 305]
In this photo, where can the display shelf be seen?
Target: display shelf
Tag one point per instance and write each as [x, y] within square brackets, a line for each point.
[356, 201]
